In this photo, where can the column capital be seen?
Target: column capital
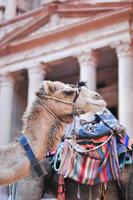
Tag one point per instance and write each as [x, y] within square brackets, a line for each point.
[124, 49]
[36, 71]
[7, 78]
[35, 77]
[87, 58]
[10, 11]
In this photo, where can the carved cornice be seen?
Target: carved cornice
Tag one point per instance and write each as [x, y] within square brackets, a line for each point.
[87, 58]
[55, 35]
[124, 49]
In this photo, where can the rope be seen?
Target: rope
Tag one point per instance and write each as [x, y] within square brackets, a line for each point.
[62, 101]
[59, 100]
[80, 149]
[58, 157]
[50, 111]
[74, 123]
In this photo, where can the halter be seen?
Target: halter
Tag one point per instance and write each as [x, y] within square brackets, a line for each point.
[79, 85]
[62, 101]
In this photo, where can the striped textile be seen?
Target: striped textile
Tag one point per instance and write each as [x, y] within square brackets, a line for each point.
[84, 165]
[90, 167]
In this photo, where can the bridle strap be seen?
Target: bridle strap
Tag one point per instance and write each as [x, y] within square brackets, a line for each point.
[62, 101]
[76, 96]
[56, 99]
[39, 169]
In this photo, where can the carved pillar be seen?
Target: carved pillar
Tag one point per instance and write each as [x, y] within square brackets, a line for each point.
[11, 7]
[6, 97]
[35, 76]
[4, 193]
[2, 8]
[1, 14]
[6, 102]
[125, 85]
[88, 64]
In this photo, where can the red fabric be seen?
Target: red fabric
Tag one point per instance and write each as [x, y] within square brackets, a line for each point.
[61, 188]
[82, 172]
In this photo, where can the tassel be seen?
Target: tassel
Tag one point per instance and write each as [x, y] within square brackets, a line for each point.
[78, 192]
[90, 194]
[61, 188]
[103, 188]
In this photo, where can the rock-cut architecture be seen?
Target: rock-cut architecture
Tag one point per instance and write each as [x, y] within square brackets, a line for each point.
[64, 40]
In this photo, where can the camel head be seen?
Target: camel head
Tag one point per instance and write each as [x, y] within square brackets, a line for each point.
[58, 97]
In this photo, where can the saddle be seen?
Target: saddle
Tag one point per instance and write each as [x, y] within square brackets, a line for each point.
[92, 158]
[88, 166]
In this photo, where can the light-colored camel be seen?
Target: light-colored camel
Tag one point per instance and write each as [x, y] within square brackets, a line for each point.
[43, 127]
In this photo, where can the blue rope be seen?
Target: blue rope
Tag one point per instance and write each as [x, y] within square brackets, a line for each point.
[57, 156]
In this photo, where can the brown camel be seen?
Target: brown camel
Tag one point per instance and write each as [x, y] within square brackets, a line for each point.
[43, 125]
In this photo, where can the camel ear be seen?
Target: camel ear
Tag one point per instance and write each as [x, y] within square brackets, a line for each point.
[40, 92]
[49, 86]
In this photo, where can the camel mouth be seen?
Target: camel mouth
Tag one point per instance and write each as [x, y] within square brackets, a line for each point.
[102, 105]
[97, 105]
[68, 119]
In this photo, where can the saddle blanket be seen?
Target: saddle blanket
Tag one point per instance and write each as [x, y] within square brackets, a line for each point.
[93, 157]
[90, 167]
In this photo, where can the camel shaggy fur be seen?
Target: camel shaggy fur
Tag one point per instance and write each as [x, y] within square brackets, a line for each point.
[43, 124]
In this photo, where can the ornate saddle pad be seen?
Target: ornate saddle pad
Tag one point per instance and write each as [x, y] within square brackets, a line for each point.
[93, 157]
[89, 166]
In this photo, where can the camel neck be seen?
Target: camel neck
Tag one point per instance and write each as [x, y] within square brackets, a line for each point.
[43, 132]
[42, 128]
[50, 111]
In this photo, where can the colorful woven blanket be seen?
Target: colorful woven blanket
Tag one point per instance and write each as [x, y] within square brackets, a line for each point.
[93, 157]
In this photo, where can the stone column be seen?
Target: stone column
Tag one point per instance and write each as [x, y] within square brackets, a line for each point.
[2, 9]
[11, 7]
[1, 14]
[6, 103]
[88, 64]
[125, 85]
[35, 76]
[4, 193]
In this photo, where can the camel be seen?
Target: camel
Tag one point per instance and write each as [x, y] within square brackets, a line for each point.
[43, 124]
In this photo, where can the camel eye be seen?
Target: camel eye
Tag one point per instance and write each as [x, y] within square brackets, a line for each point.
[99, 97]
[68, 92]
